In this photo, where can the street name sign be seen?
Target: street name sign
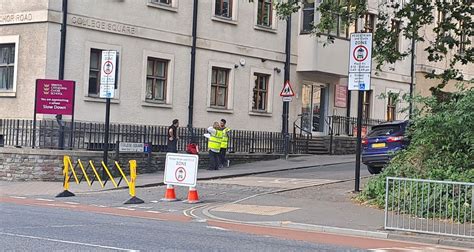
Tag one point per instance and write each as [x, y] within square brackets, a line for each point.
[131, 147]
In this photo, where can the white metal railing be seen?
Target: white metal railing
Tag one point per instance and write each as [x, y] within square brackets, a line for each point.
[429, 206]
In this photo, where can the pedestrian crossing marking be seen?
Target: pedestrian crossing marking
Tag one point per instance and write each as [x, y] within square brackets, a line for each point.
[254, 209]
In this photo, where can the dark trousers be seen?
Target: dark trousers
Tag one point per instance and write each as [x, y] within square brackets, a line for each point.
[213, 160]
[172, 146]
[222, 159]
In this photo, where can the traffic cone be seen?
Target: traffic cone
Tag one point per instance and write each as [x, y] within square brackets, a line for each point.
[170, 195]
[193, 196]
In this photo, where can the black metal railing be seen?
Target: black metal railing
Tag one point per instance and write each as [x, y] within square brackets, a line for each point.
[341, 125]
[48, 134]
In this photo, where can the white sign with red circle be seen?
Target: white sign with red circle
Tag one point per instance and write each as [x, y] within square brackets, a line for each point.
[107, 74]
[181, 169]
[360, 58]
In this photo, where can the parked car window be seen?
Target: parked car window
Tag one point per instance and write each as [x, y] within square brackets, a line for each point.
[384, 131]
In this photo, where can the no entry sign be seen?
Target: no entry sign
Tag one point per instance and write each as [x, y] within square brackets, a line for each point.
[181, 169]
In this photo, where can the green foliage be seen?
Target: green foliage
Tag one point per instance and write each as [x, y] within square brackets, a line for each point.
[441, 145]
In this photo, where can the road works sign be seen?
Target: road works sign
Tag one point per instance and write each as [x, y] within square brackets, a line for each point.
[181, 169]
[107, 74]
[360, 61]
[287, 91]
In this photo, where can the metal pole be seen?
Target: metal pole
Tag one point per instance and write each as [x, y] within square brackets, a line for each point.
[193, 70]
[412, 73]
[359, 140]
[106, 136]
[62, 48]
[287, 78]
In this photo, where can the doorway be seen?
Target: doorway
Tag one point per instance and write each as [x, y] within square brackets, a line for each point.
[313, 109]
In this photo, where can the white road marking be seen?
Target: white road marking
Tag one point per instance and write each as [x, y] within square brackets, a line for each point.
[71, 203]
[98, 205]
[217, 228]
[151, 211]
[126, 208]
[17, 197]
[145, 207]
[154, 201]
[68, 242]
[40, 199]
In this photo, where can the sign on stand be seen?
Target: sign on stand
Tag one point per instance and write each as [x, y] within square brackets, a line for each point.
[360, 61]
[107, 74]
[181, 169]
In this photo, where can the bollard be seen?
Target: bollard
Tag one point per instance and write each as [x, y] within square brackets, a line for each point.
[66, 192]
[131, 184]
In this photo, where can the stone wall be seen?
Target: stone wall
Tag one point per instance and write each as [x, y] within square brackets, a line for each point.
[342, 145]
[26, 164]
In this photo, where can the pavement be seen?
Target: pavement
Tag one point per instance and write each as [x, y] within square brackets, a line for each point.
[324, 206]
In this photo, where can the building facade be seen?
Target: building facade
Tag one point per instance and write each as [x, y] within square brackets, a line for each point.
[239, 73]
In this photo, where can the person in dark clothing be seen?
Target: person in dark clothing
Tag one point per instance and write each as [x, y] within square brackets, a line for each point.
[173, 137]
[224, 162]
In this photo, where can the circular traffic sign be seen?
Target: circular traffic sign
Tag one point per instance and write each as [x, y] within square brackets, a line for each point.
[180, 174]
[360, 53]
[108, 67]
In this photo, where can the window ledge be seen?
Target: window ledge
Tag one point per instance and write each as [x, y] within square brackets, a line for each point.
[220, 110]
[7, 94]
[157, 105]
[162, 6]
[265, 28]
[258, 113]
[102, 100]
[224, 20]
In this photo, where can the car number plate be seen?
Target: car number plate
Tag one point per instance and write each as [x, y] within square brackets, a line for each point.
[378, 145]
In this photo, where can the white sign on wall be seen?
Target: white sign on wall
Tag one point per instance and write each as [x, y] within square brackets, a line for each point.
[181, 169]
[107, 74]
[131, 147]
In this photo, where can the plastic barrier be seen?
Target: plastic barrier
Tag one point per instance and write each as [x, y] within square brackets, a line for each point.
[70, 171]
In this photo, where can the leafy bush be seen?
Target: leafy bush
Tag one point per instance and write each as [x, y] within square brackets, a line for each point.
[441, 145]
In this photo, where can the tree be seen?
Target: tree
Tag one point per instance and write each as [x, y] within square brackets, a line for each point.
[450, 21]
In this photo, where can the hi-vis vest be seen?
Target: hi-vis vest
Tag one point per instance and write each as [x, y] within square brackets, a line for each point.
[225, 138]
[214, 142]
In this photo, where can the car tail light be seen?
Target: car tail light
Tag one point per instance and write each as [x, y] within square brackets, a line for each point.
[395, 139]
[365, 141]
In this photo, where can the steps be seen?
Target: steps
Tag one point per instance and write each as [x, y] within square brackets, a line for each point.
[318, 146]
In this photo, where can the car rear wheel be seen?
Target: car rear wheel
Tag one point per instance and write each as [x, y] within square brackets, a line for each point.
[374, 169]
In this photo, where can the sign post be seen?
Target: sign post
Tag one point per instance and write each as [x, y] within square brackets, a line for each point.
[108, 76]
[287, 96]
[54, 97]
[360, 67]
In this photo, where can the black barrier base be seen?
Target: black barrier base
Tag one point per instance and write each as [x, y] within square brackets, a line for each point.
[134, 200]
[65, 193]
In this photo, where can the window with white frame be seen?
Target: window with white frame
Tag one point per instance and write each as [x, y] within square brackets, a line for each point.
[369, 22]
[265, 13]
[392, 100]
[94, 72]
[219, 87]
[7, 67]
[308, 16]
[396, 26]
[260, 92]
[164, 2]
[223, 8]
[156, 80]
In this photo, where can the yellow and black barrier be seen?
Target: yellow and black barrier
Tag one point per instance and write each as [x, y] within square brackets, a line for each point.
[70, 171]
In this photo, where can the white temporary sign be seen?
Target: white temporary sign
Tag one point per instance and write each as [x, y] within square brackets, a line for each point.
[359, 81]
[360, 54]
[107, 74]
[181, 169]
[131, 147]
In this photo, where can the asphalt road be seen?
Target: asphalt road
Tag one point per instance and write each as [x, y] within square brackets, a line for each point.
[36, 228]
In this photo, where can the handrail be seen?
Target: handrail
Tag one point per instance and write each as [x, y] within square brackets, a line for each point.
[295, 125]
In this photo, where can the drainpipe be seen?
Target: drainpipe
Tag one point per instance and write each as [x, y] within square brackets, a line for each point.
[193, 69]
[62, 48]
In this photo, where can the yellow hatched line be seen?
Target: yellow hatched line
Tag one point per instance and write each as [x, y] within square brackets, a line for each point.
[72, 169]
[84, 172]
[96, 174]
[121, 172]
[108, 173]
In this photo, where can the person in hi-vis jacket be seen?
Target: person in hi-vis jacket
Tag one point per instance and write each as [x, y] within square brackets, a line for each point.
[214, 145]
